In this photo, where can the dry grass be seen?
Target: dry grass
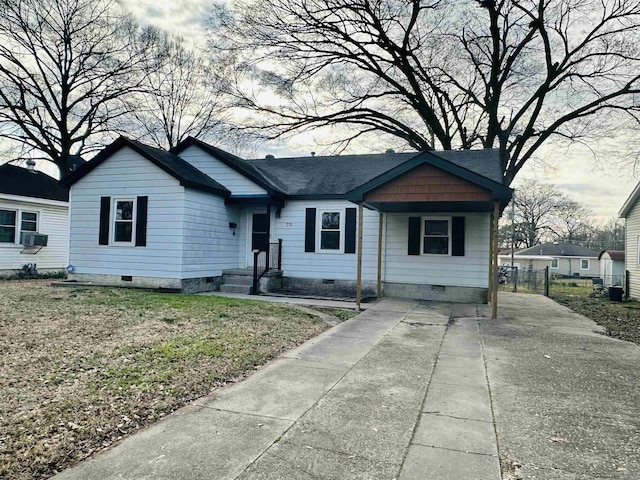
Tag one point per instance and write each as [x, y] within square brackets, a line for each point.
[620, 319]
[82, 368]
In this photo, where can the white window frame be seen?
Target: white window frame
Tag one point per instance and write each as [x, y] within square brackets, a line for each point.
[114, 205]
[15, 225]
[341, 211]
[588, 263]
[37, 221]
[422, 235]
[557, 260]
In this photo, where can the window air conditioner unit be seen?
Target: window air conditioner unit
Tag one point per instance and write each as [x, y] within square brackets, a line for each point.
[33, 239]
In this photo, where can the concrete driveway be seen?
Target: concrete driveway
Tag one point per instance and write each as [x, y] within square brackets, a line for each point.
[411, 390]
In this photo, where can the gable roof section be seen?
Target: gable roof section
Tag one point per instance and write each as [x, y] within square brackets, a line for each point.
[559, 250]
[188, 175]
[272, 185]
[630, 202]
[16, 180]
[498, 190]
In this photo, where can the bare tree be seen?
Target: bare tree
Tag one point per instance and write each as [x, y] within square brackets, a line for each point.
[182, 99]
[536, 207]
[67, 70]
[508, 74]
[572, 221]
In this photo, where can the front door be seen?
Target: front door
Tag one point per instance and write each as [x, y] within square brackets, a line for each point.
[260, 232]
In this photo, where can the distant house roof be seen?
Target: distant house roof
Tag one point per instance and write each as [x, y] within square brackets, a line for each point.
[16, 180]
[184, 172]
[559, 250]
[615, 255]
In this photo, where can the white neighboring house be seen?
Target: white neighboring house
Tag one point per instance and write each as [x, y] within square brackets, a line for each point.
[563, 259]
[612, 267]
[526, 262]
[31, 202]
[193, 220]
[630, 211]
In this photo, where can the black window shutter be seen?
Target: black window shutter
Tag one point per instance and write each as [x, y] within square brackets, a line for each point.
[414, 236]
[141, 221]
[103, 233]
[350, 231]
[310, 230]
[457, 234]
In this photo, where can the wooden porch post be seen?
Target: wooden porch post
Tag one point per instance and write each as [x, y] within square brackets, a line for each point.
[379, 292]
[490, 279]
[268, 260]
[359, 274]
[494, 255]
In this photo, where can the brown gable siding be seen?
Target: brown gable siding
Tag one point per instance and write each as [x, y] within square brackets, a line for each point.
[428, 184]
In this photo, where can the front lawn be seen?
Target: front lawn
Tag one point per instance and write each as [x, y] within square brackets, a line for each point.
[82, 368]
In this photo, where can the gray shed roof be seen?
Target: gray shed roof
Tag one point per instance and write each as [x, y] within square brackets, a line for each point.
[559, 250]
[338, 175]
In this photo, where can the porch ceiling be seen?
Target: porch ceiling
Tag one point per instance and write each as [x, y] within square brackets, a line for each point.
[435, 207]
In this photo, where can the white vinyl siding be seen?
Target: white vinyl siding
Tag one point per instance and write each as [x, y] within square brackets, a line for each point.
[53, 220]
[323, 265]
[209, 244]
[128, 175]
[236, 182]
[632, 247]
[470, 270]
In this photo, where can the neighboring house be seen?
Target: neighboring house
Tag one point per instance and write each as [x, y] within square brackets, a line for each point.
[189, 219]
[525, 262]
[612, 267]
[564, 259]
[630, 211]
[32, 202]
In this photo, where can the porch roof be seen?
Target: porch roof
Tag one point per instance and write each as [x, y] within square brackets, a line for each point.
[428, 183]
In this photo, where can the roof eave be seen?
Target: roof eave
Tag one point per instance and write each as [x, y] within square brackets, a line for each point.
[629, 202]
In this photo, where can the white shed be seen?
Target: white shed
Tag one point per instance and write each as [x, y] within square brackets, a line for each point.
[612, 267]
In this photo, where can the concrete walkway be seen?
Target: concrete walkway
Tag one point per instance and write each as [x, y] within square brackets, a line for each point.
[399, 392]
[409, 391]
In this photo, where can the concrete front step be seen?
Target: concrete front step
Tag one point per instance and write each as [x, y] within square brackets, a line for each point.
[237, 279]
[227, 288]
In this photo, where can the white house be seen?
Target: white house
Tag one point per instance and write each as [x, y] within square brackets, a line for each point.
[567, 259]
[32, 202]
[195, 219]
[612, 267]
[526, 262]
[630, 211]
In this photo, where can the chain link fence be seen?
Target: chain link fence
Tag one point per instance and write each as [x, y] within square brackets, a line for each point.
[512, 279]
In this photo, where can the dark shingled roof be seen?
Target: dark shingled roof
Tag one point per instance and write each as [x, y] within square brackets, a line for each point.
[616, 255]
[338, 175]
[184, 172]
[16, 180]
[559, 250]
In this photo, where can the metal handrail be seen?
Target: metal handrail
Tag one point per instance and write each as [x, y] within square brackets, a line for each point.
[265, 260]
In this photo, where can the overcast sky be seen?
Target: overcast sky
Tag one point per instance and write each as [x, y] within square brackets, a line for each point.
[602, 187]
